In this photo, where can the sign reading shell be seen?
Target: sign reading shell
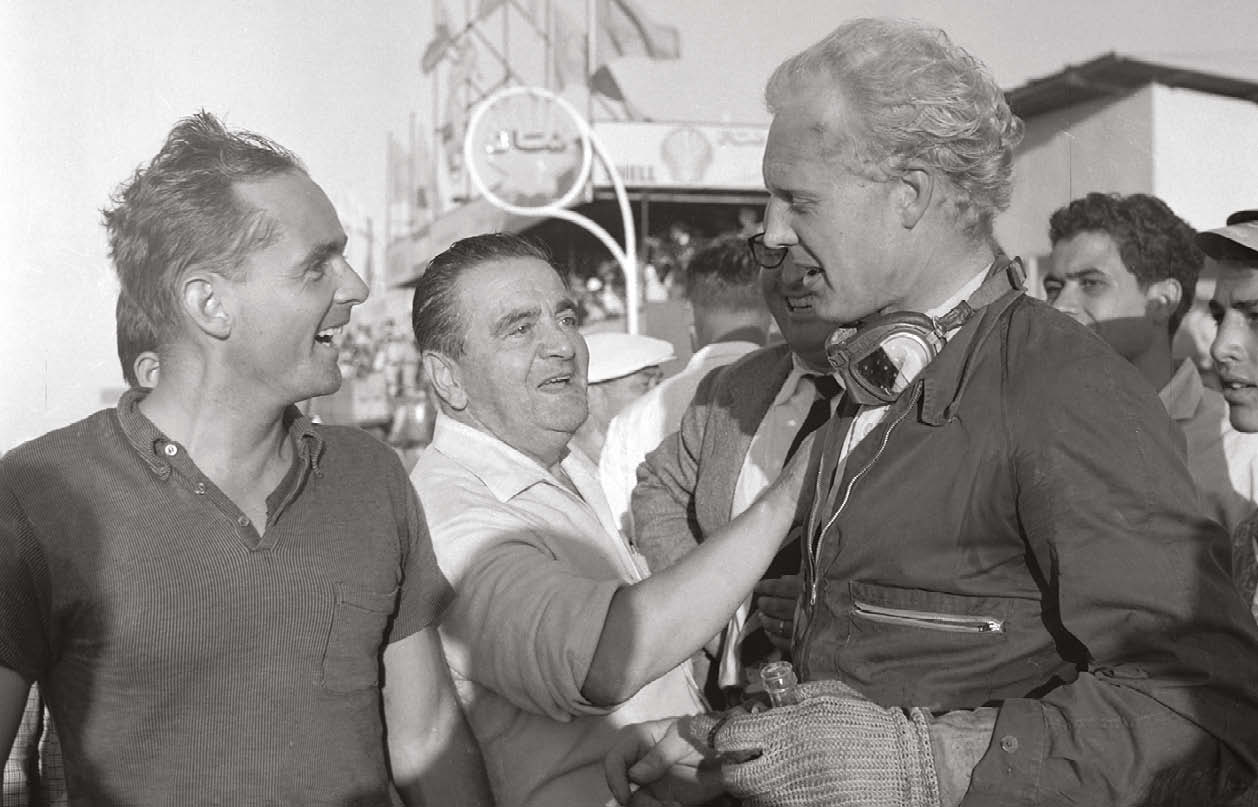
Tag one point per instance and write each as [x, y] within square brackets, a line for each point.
[672, 155]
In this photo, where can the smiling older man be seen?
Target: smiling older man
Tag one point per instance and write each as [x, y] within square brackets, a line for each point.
[556, 637]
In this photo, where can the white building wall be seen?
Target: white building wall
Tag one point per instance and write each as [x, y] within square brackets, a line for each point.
[1104, 145]
[1205, 164]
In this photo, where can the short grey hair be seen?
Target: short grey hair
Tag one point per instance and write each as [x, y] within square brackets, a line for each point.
[916, 96]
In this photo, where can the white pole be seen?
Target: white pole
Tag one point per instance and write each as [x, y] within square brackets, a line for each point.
[626, 257]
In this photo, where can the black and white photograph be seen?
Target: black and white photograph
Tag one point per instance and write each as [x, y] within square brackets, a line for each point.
[597, 403]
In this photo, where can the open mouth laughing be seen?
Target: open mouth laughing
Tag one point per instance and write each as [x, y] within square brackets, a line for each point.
[328, 336]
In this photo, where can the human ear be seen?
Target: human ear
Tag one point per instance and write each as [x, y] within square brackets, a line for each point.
[446, 379]
[1162, 299]
[146, 369]
[203, 303]
[913, 193]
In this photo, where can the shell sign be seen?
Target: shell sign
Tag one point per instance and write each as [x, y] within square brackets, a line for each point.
[664, 155]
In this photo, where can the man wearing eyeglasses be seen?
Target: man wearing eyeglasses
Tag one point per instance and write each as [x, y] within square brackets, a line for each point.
[745, 421]
[1011, 595]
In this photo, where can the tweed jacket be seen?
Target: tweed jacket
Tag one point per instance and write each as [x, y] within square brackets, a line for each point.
[686, 486]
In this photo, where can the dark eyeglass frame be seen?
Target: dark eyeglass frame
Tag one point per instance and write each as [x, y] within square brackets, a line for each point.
[765, 255]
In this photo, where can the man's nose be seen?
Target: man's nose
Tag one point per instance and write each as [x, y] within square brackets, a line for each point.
[558, 341]
[777, 227]
[352, 290]
[1067, 300]
[1228, 345]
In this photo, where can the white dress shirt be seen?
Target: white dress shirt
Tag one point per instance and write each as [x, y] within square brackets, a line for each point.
[534, 567]
[766, 454]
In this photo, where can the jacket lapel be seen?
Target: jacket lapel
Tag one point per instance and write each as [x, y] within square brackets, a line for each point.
[739, 408]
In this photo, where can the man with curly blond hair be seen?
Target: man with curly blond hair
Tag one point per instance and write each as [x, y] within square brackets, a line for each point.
[1011, 595]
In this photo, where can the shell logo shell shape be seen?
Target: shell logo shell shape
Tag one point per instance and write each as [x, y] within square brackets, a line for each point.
[687, 154]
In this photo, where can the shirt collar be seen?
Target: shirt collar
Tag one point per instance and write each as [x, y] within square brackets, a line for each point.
[504, 470]
[157, 449]
[1183, 393]
[799, 369]
[790, 386]
[964, 293]
[719, 350]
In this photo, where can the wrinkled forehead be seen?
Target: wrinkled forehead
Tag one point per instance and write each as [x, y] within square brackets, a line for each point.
[496, 288]
[809, 134]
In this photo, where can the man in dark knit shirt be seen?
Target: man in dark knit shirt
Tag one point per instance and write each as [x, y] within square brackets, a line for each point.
[221, 601]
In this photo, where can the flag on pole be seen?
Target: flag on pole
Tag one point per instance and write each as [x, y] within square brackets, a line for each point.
[624, 30]
[605, 83]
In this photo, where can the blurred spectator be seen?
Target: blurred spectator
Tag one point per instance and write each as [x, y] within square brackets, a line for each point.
[1127, 267]
[622, 368]
[730, 319]
[413, 419]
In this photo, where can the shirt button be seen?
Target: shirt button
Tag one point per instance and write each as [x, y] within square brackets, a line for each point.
[242, 521]
[1009, 743]
[170, 449]
[199, 488]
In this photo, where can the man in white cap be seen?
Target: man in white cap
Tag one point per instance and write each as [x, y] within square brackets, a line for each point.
[1232, 253]
[730, 319]
[623, 368]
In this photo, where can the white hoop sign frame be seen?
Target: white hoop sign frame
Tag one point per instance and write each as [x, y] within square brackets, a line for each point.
[590, 145]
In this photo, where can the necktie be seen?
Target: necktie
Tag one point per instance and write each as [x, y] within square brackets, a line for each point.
[818, 413]
[756, 647]
[788, 559]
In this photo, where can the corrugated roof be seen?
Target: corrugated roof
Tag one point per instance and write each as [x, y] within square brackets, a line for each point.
[1114, 74]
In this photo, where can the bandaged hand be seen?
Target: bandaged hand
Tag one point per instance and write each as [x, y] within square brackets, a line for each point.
[835, 748]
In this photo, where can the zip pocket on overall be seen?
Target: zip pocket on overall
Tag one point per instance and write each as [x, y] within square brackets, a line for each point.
[928, 619]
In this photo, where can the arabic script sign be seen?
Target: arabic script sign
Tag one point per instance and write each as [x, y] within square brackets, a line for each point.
[527, 150]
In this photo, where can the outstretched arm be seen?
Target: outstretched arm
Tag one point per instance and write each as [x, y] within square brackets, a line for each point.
[434, 758]
[654, 625]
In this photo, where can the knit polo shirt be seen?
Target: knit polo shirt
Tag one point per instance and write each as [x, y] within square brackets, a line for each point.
[188, 659]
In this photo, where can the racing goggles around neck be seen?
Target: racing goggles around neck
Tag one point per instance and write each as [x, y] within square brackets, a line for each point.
[881, 357]
[879, 360]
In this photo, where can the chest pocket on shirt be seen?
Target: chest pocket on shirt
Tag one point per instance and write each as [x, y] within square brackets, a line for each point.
[351, 660]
